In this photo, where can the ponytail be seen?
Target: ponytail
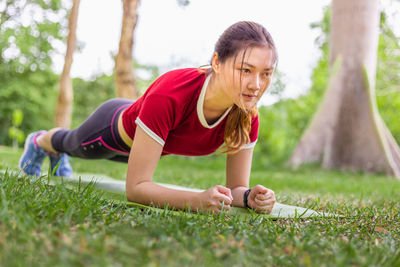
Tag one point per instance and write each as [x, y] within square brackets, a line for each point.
[237, 129]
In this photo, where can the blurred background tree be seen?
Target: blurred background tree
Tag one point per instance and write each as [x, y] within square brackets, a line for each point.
[284, 122]
[347, 131]
[125, 80]
[65, 98]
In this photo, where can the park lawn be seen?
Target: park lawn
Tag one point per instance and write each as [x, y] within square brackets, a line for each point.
[55, 226]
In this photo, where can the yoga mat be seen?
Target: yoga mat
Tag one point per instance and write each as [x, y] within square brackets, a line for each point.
[109, 184]
[280, 210]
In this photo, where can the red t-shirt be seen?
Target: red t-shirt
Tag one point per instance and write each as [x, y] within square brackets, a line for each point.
[171, 112]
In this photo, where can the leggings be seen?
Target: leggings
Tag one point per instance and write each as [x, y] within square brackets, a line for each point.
[97, 137]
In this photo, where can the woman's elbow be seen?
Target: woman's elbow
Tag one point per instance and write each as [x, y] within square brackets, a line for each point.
[130, 194]
[130, 189]
[133, 191]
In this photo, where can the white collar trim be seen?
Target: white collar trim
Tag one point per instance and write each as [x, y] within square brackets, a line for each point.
[200, 104]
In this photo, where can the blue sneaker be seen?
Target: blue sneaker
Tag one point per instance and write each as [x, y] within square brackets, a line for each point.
[64, 168]
[32, 158]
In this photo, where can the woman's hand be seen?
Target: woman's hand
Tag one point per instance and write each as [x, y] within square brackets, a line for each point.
[216, 198]
[261, 199]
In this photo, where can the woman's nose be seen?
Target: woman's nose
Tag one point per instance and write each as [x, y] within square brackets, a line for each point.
[255, 83]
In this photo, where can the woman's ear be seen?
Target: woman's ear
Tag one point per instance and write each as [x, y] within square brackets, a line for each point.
[216, 65]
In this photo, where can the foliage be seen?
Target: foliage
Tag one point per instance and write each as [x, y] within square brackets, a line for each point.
[14, 132]
[281, 126]
[28, 31]
[145, 76]
[388, 77]
[88, 95]
[278, 85]
[183, 3]
[34, 93]
[57, 225]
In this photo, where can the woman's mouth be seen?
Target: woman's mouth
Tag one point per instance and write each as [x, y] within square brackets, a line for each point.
[249, 96]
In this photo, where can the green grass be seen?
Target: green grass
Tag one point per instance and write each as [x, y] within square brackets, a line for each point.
[49, 225]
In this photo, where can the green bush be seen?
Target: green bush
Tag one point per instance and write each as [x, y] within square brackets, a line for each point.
[35, 94]
[88, 95]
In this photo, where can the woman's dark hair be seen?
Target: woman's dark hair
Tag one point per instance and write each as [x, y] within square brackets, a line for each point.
[238, 37]
[243, 35]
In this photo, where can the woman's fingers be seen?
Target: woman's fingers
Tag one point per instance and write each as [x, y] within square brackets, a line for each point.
[223, 194]
[262, 199]
[259, 189]
[225, 191]
[266, 202]
[269, 193]
[220, 198]
[264, 196]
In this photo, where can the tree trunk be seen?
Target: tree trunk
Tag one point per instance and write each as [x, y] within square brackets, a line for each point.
[347, 131]
[65, 95]
[124, 77]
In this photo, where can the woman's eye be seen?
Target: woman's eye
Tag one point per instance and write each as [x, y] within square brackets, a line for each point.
[246, 70]
[268, 74]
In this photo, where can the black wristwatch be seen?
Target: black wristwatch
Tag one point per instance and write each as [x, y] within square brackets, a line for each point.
[245, 195]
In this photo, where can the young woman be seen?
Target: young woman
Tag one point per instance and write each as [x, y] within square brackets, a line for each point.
[186, 112]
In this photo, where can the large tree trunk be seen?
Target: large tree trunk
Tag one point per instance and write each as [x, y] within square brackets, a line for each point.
[124, 77]
[65, 95]
[347, 132]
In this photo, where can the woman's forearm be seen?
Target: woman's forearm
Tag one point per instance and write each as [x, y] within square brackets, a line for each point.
[237, 194]
[149, 193]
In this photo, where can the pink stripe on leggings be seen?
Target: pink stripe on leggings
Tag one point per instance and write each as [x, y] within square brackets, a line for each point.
[104, 144]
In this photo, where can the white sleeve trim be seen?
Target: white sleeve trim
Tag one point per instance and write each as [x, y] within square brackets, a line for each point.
[149, 132]
[251, 145]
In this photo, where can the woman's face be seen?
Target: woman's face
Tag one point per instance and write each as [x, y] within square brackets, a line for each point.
[244, 80]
